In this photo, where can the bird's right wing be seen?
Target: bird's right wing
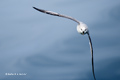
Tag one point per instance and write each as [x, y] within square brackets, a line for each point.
[56, 14]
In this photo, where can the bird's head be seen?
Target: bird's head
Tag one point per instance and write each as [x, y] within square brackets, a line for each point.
[82, 28]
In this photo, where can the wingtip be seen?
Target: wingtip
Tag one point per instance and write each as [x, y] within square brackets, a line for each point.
[34, 7]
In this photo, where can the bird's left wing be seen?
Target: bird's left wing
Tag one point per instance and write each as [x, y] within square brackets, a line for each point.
[91, 48]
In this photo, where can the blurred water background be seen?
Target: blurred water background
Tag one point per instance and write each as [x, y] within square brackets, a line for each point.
[49, 48]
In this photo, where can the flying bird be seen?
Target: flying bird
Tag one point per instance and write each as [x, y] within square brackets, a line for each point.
[81, 28]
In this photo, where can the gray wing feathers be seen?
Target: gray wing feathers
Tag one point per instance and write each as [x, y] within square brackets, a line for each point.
[91, 48]
[56, 14]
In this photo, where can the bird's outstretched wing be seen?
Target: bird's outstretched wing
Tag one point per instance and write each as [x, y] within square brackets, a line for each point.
[91, 48]
[56, 14]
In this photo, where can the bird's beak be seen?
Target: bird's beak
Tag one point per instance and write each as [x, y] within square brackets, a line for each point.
[83, 33]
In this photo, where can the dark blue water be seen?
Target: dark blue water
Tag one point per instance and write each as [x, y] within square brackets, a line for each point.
[44, 47]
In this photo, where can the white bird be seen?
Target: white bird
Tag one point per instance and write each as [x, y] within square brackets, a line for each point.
[81, 28]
